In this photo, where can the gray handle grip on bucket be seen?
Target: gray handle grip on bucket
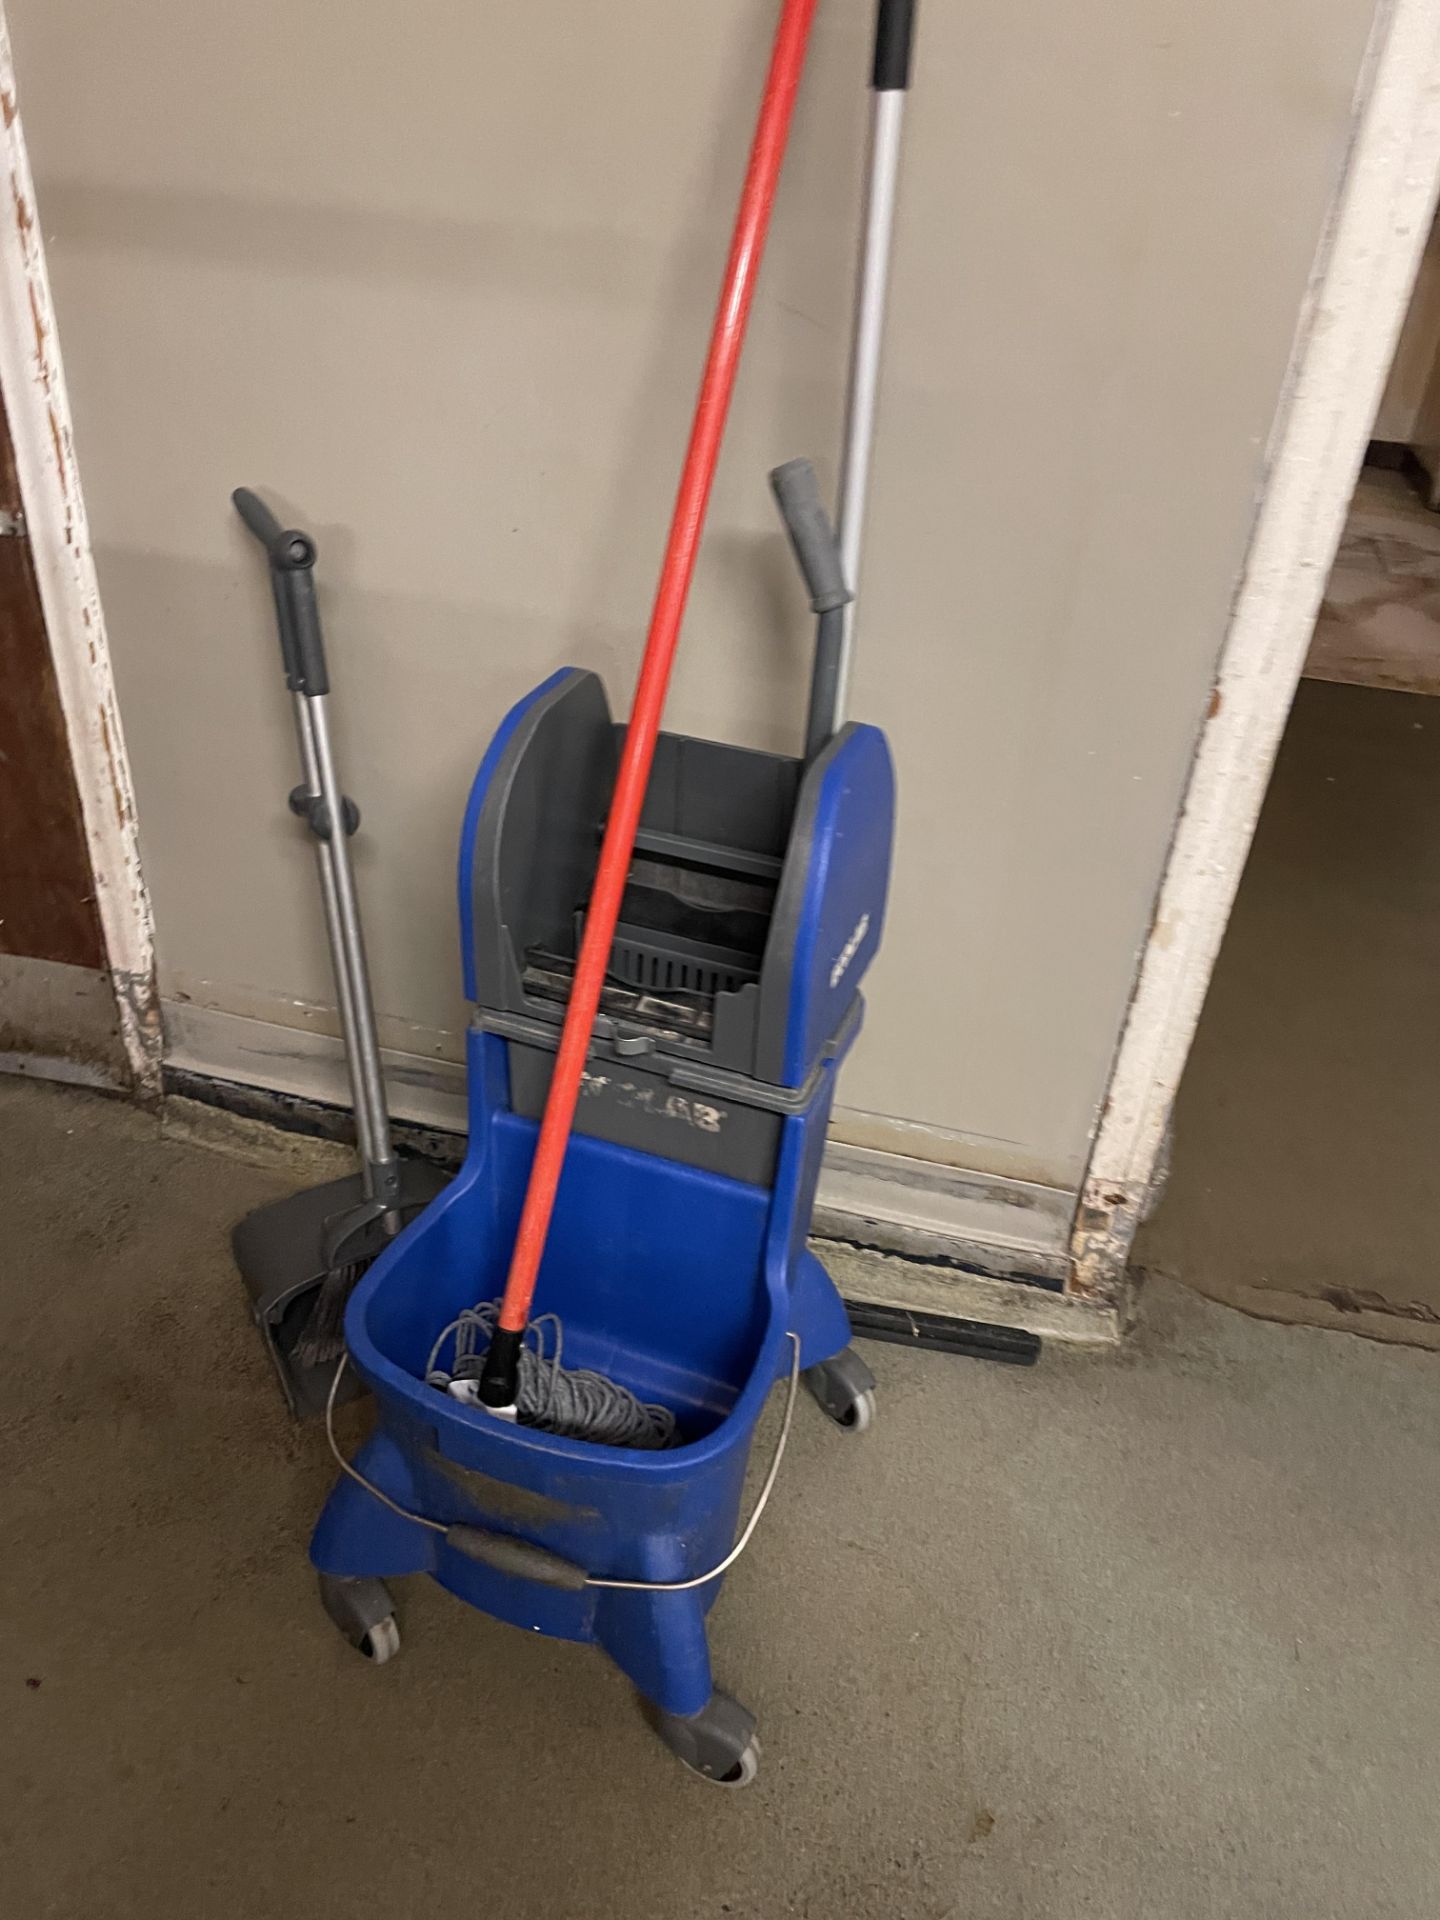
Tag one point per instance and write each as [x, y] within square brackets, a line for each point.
[506, 1554]
[798, 495]
[818, 551]
[257, 517]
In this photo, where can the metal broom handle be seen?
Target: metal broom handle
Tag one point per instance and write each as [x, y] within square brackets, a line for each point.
[332, 819]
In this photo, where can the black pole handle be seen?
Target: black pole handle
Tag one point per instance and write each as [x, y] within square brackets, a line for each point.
[292, 576]
[894, 38]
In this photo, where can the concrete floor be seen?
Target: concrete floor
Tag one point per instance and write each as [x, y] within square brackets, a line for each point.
[1138, 1635]
[1306, 1183]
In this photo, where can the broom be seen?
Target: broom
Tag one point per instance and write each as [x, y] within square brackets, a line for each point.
[356, 1234]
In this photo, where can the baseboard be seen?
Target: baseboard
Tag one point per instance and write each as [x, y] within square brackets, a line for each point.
[305, 1065]
[924, 1211]
[889, 1280]
[903, 1231]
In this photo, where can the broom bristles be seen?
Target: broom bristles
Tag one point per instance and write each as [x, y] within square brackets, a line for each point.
[322, 1338]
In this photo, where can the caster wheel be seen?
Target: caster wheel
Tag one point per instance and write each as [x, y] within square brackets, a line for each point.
[364, 1613]
[718, 1744]
[844, 1389]
[741, 1774]
[860, 1413]
[382, 1643]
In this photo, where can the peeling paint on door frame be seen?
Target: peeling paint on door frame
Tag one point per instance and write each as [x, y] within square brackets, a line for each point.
[34, 385]
[1353, 311]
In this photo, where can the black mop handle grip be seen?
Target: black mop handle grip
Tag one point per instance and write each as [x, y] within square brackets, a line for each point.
[894, 37]
[292, 575]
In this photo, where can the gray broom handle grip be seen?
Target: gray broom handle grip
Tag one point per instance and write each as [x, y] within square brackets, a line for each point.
[291, 554]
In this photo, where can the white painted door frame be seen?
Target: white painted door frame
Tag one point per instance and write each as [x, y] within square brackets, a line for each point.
[1353, 312]
[33, 382]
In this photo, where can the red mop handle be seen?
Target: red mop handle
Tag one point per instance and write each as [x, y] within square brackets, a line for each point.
[676, 571]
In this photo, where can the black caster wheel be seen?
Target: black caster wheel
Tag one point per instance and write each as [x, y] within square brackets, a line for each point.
[717, 1744]
[364, 1613]
[844, 1388]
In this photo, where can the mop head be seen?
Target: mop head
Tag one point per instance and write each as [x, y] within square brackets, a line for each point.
[573, 1402]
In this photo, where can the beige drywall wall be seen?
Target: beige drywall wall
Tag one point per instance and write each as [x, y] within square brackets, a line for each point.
[440, 278]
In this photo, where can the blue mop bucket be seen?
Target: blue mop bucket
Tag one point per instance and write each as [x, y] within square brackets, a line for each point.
[676, 1258]
[673, 1281]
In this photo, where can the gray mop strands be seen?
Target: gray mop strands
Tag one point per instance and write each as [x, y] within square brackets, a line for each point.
[573, 1402]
